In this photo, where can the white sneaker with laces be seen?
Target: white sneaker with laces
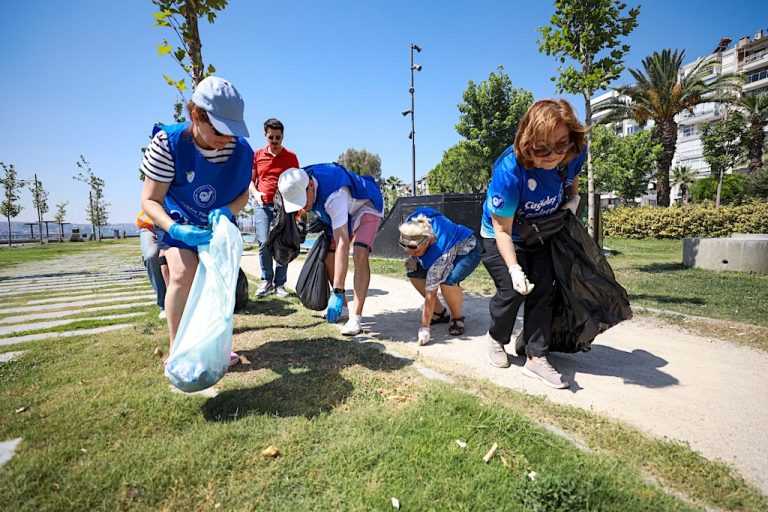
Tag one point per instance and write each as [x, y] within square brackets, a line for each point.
[280, 291]
[264, 288]
[353, 325]
[162, 315]
[540, 368]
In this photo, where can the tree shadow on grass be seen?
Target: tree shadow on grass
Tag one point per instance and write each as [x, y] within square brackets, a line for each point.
[666, 299]
[309, 382]
[271, 306]
[655, 268]
[263, 327]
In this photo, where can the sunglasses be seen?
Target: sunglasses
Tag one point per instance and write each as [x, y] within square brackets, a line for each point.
[545, 151]
[204, 118]
[411, 246]
[275, 137]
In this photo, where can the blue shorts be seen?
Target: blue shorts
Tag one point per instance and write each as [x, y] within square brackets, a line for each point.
[462, 267]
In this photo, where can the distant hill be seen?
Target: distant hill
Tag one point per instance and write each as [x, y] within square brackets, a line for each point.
[20, 229]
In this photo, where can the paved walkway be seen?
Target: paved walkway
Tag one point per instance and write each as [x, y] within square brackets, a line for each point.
[710, 394]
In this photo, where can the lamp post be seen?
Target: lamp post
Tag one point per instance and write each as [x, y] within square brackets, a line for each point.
[412, 135]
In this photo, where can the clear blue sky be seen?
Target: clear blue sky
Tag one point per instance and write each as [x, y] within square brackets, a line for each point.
[82, 77]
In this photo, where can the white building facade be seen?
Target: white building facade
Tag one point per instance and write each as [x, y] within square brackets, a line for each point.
[749, 56]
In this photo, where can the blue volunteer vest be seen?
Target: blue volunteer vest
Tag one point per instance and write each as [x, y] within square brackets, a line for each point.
[447, 234]
[527, 193]
[331, 177]
[200, 186]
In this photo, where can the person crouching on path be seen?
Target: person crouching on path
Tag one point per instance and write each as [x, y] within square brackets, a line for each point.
[268, 163]
[442, 254]
[531, 180]
[353, 206]
[196, 172]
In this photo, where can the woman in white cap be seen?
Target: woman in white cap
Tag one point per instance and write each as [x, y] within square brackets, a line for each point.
[195, 172]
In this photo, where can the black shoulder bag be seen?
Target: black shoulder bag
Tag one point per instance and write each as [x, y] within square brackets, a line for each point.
[535, 232]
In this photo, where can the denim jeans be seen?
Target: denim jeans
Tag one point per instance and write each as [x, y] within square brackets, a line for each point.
[150, 254]
[262, 216]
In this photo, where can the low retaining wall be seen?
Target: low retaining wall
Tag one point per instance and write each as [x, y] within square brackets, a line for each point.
[741, 252]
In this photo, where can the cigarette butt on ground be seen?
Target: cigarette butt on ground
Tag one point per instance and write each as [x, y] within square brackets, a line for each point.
[489, 455]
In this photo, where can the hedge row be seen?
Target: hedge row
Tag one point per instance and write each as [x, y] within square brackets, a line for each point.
[688, 221]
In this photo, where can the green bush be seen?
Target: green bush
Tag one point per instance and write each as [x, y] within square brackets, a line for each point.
[732, 192]
[685, 221]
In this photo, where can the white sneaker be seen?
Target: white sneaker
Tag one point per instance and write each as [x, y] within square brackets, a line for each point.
[264, 288]
[352, 327]
[162, 315]
[280, 291]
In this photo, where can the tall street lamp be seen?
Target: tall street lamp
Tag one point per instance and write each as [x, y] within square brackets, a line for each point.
[412, 135]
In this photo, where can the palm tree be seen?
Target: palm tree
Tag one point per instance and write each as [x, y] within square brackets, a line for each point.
[685, 177]
[392, 188]
[756, 106]
[660, 93]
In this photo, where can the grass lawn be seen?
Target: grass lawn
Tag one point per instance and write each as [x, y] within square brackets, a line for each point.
[654, 276]
[354, 427]
[40, 252]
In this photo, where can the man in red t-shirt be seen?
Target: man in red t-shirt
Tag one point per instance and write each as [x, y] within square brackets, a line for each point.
[268, 163]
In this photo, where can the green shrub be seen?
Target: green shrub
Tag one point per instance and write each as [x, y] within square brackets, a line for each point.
[685, 221]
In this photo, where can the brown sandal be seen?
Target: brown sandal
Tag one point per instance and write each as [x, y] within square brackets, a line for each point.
[455, 329]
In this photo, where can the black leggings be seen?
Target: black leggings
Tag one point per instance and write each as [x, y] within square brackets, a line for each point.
[537, 326]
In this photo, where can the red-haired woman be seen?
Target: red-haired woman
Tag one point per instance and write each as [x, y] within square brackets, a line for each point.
[532, 180]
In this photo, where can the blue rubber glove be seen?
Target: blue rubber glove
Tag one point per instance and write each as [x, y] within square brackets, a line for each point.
[213, 216]
[333, 312]
[190, 235]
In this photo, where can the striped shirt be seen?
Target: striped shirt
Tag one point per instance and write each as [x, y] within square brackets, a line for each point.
[157, 163]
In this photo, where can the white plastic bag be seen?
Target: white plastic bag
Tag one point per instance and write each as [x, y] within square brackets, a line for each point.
[200, 355]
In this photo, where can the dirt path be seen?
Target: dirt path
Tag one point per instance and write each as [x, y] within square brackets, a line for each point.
[669, 383]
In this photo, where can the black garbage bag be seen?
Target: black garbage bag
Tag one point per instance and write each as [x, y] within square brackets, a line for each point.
[241, 292]
[286, 234]
[312, 287]
[588, 300]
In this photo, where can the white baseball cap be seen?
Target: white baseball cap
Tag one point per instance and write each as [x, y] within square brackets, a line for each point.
[223, 104]
[292, 185]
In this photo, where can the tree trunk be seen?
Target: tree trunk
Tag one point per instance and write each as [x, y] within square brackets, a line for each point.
[591, 207]
[719, 188]
[193, 40]
[666, 134]
[756, 147]
[9, 231]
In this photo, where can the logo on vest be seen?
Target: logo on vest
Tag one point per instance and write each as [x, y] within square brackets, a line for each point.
[204, 196]
[497, 201]
[190, 176]
[532, 184]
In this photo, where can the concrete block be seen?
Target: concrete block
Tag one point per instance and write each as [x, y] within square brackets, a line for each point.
[741, 253]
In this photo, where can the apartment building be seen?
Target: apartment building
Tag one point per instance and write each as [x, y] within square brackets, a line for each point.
[748, 56]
